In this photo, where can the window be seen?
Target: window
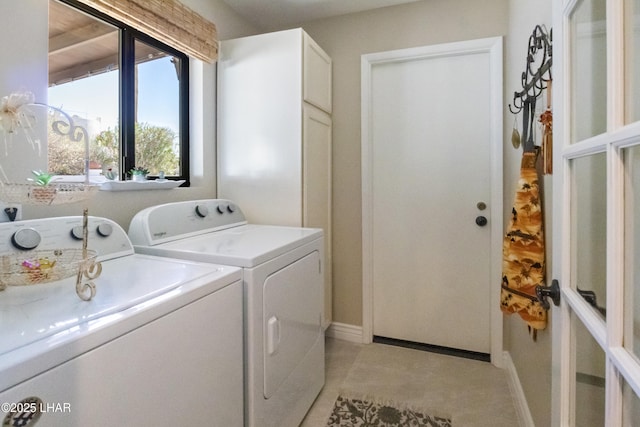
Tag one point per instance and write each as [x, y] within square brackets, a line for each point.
[128, 90]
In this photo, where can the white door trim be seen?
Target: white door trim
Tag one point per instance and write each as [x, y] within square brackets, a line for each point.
[493, 47]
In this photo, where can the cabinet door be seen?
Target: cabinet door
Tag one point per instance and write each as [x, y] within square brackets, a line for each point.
[316, 182]
[317, 75]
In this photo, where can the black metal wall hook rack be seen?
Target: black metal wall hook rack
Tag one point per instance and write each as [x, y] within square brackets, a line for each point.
[535, 79]
[537, 73]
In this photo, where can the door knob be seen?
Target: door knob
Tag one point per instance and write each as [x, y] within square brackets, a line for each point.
[481, 221]
[553, 292]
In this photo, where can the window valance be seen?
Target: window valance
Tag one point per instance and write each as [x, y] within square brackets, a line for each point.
[166, 20]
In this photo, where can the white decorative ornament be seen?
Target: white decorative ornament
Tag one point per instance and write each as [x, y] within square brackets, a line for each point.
[13, 115]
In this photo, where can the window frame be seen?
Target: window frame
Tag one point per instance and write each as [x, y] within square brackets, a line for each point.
[126, 93]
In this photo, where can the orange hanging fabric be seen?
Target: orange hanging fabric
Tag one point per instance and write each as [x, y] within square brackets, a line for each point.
[523, 266]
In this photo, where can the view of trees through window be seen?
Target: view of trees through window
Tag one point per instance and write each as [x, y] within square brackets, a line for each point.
[155, 151]
[85, 83]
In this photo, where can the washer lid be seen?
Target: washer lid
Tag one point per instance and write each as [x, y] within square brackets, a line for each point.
[52, 312]
[243, 246]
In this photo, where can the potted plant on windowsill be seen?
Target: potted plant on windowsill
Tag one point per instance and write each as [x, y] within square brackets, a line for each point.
[110, 174]
[139, 173]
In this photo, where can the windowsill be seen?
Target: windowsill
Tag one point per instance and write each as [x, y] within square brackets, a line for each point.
[94, 178]
[157, 184]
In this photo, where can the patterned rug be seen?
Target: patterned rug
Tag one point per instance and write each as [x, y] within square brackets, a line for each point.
[368, 412]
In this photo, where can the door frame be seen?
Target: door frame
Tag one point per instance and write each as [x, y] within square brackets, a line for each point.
[493, 47]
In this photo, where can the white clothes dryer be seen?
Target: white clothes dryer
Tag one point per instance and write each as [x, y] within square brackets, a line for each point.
[283, 296]
[159, 344]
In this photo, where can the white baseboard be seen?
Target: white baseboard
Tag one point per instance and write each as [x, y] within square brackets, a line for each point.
[345, 332]
[519, 399]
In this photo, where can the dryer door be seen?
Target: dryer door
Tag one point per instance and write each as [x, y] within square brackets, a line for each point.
[292, 307]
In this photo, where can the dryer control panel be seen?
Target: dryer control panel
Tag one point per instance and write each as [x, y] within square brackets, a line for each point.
[172, 221]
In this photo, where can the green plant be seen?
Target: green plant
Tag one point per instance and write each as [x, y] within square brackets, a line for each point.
[138, 170]
[41, 178]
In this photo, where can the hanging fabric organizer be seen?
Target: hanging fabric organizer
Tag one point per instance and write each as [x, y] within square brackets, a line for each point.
[523, 266]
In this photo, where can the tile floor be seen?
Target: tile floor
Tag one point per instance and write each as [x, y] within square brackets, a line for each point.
[472, 393]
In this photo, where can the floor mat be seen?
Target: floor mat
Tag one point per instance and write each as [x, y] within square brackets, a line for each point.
[351, 411]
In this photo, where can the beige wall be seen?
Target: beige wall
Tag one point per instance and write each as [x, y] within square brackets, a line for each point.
[346, 38]
[532, 359]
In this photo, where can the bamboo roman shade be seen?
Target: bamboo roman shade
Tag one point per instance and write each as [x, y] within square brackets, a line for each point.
[166, 20]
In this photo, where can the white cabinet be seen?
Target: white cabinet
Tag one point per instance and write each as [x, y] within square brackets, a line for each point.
[274, 132]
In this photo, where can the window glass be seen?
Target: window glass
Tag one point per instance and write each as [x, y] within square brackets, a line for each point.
[632, 60]
[157, 112]
[589, 377]
[589, 233]
[83, 82]
[632, 251]
[589, 69]
[630, 406]
[127, 90]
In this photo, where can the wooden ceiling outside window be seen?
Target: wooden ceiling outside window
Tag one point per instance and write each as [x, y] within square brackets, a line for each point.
[81, 45]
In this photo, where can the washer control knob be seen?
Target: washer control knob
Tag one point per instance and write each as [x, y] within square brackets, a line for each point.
[231, 208]
[104, 229]
[222, 208]
[202, 211]
[26, 239]
[76, 232]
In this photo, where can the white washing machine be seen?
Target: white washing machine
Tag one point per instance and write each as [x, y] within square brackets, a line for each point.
[159, 344]
[283, 291]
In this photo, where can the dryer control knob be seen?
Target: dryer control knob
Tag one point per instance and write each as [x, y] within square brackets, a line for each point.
[104, 229]
[222, 208]
[231, 208]
[26, 239]
[202, 211]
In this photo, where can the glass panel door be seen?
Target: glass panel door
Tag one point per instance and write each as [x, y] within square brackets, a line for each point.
[596, 232]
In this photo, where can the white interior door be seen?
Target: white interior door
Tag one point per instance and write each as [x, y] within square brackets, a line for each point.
[596, 328]
[432, 167]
